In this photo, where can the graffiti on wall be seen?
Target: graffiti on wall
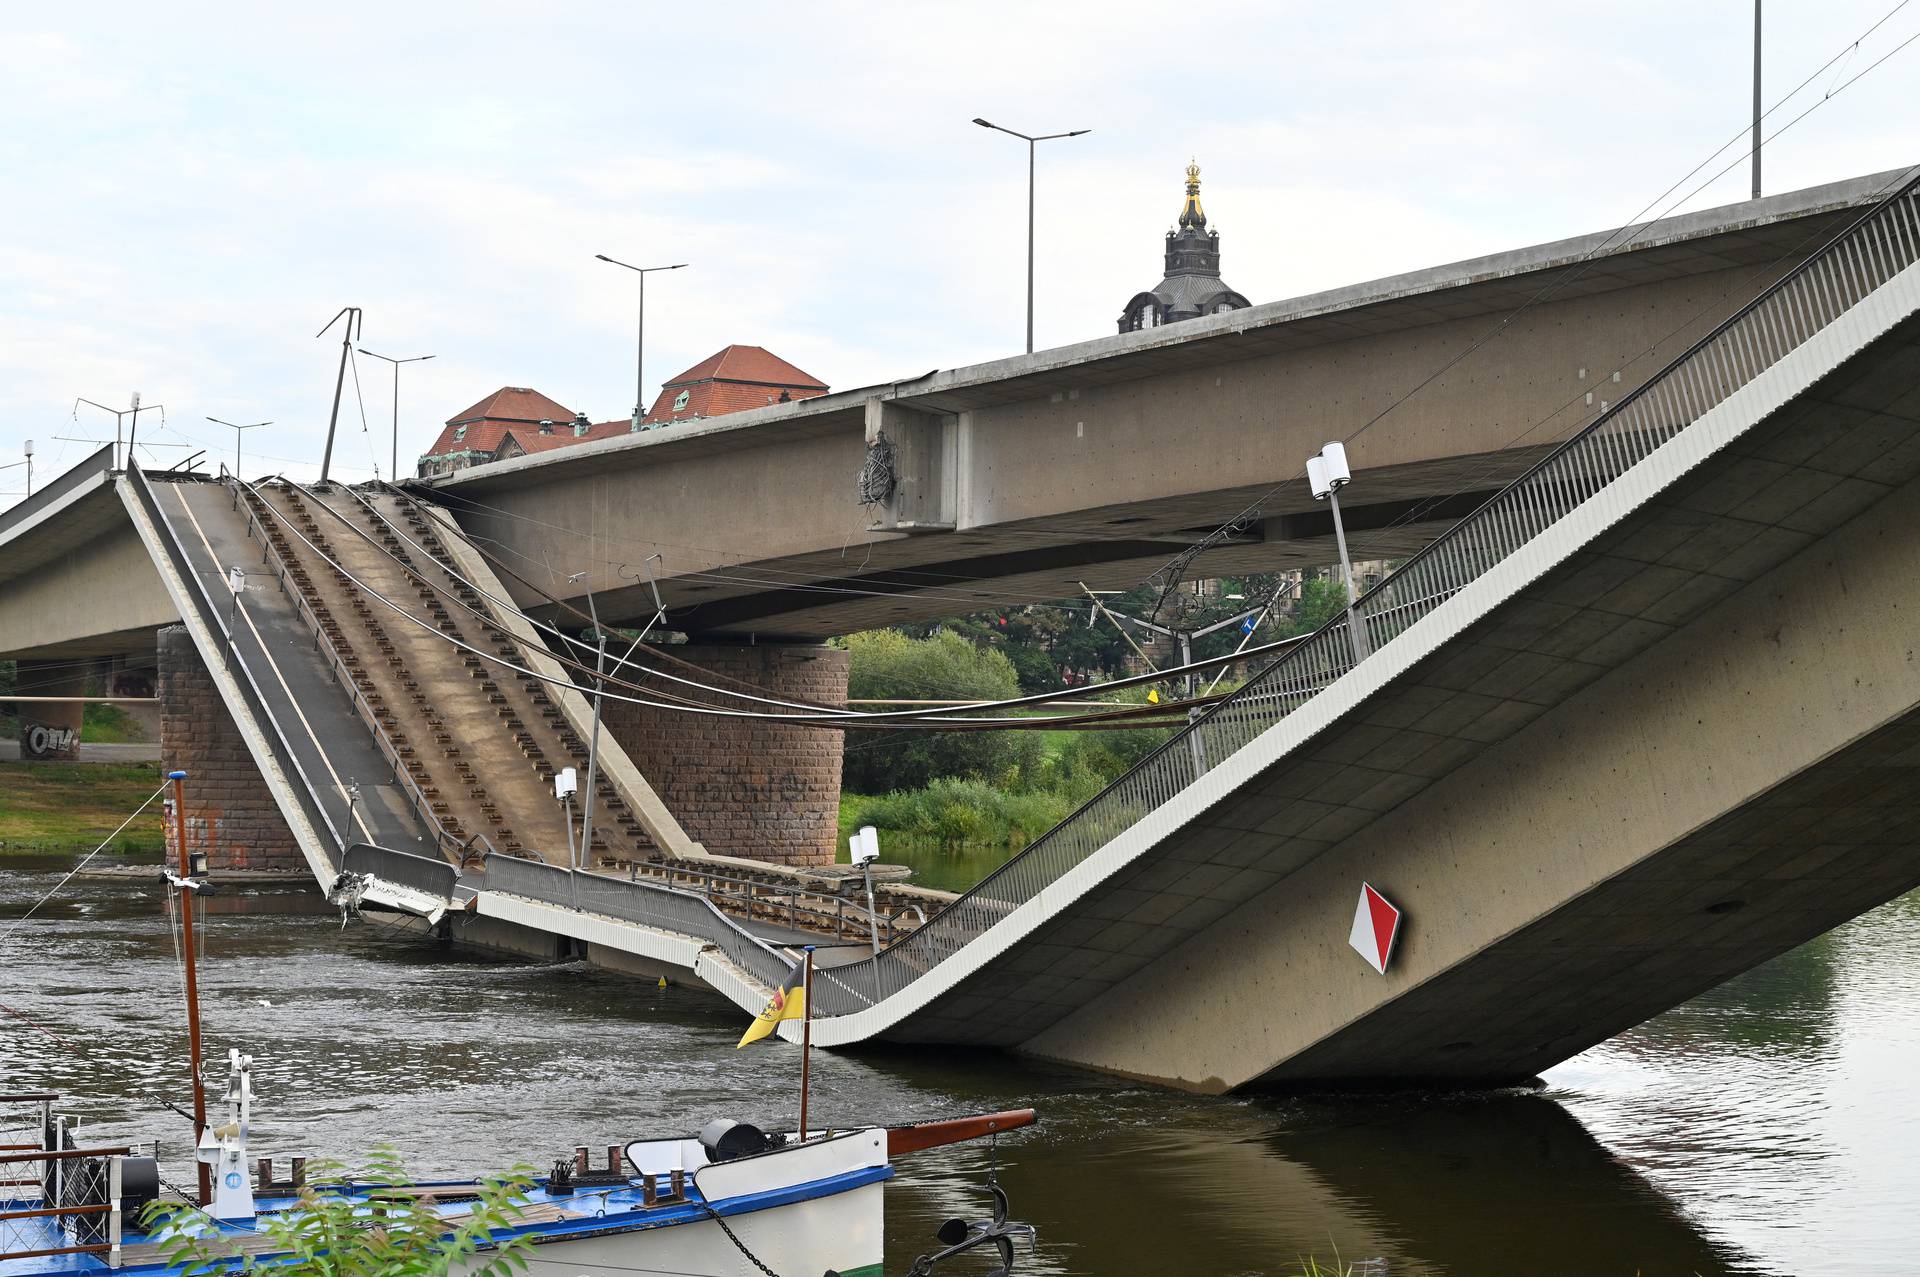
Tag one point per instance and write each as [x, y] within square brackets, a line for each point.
[38, 740]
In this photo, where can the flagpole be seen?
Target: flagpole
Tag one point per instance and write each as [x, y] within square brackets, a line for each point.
[806, 1038]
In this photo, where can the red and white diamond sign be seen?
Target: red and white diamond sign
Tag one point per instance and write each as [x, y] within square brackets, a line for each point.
[1376, 925]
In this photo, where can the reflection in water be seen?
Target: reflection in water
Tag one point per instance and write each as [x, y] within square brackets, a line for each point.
[1764, 1129]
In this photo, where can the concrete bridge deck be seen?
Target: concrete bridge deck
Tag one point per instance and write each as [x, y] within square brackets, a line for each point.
[1658, 725]
[1101, 461]
[1643, 720]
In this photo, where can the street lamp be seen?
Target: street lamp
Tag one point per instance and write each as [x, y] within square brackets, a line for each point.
[1327, 473]
[1032, 144]
[236, 427]
[640, 342]
[394, 475]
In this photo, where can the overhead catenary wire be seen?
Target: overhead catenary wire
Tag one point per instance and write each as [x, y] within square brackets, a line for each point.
[884, 720]
[1568, 274]
[1488, 467]
[1086, 691]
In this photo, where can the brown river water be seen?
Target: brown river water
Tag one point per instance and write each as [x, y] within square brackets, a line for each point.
[1770, 1127]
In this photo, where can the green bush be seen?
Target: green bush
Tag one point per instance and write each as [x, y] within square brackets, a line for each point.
[324, 1237]
[957, 813]
[889, 665]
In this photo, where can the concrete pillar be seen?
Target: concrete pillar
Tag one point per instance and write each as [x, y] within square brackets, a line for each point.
[51, 732]
[231, 815]
[744, 788]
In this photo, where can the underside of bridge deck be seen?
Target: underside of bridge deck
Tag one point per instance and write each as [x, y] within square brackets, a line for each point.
[1688, 748]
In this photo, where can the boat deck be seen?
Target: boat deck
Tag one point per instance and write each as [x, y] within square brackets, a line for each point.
[141, 1254]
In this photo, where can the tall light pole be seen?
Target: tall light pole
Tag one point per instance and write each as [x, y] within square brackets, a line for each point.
[639, 343]
[236, 427]
[1032, 145]
[394, 475]
[1327, 473]
[1756, 99]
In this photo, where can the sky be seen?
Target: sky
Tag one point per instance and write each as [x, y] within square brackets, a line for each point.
[188, 192]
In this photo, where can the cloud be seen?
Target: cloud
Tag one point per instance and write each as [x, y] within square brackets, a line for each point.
[190, 192]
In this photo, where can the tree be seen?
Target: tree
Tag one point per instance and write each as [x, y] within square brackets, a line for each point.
[890, 665]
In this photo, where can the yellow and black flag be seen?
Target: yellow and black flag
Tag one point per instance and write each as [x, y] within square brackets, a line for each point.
[789, 1002]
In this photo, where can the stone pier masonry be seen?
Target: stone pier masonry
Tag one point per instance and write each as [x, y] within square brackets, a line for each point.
[231, 814]
[742, 787]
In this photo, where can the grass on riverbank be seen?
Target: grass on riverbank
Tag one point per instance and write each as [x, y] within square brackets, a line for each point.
[70, 807]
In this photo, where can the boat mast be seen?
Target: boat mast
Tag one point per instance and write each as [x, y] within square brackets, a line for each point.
[183, 885]
[806, 1038]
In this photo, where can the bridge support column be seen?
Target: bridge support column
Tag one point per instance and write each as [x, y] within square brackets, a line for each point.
[50, 731]
[231, 815]
[744, 788]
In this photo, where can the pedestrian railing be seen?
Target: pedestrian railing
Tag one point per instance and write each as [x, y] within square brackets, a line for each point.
[663, 908]
[1874, 248]
[215, 618]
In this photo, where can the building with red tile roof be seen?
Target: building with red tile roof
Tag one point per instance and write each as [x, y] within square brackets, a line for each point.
[515, 420]
[474, 436]
[733, 379]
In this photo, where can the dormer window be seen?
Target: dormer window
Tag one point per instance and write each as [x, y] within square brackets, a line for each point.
[680, 400]
[459, 434]
[579, 429]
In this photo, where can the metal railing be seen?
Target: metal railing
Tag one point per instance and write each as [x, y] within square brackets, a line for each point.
[664, 908]
[1873, 248]
[402, 868]
[56, 1197]
[211, 616]
[343, 675]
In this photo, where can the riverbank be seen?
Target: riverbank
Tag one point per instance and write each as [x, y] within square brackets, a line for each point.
[57, 808]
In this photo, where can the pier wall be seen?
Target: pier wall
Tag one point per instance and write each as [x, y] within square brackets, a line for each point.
[742, 787]
[230, 812]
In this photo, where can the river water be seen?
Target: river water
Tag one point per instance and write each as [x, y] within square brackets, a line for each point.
[1770, 1127]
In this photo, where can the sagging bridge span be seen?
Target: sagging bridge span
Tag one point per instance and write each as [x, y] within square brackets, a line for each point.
[1642, 719]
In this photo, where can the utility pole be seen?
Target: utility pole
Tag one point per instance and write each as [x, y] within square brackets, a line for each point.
[347, 338]
[119, 419]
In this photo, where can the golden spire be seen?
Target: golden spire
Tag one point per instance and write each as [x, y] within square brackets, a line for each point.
[1191, 214]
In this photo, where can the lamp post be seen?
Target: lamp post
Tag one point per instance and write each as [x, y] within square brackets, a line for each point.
[639, 343]
[1327, 473]
[1032, 145]
[393, 475]
[236, 427]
